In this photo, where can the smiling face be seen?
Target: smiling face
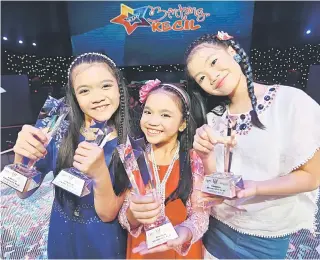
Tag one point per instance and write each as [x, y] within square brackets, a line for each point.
[214, 69]
[162, 117]
[96, 90]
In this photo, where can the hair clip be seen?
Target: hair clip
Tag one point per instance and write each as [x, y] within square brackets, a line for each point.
[237, 58]
[223, 36]
[146, 88]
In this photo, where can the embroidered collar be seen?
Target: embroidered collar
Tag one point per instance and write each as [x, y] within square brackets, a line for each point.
[244, 124]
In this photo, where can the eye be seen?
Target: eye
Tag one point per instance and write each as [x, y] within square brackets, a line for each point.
[165, 115]
[214, 62]
[147, 112]
[201, 79]
[106, 86]
[83, 91]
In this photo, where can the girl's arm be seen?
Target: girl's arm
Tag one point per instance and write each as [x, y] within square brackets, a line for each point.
[29, 145]
[107, 204]
[127, 219]
[304, 179]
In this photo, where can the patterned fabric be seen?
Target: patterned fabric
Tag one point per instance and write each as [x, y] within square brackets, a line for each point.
[75, 230]
[291, 138]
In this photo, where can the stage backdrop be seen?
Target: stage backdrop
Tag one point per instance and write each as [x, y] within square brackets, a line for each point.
[155, 32]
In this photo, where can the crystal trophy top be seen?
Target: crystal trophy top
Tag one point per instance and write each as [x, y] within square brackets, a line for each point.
[143, 183]
[225, 183]
[24, 176]
[73, 180]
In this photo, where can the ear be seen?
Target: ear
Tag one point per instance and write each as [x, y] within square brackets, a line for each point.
[183, 126]
[231, 51]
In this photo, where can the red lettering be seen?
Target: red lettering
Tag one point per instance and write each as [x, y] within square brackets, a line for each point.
[156, 27]
[176, 24]
[166, 26]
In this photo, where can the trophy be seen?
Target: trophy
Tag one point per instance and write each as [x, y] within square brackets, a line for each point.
[24, 177]
[143, 183]
[73, 180]
[224, 184]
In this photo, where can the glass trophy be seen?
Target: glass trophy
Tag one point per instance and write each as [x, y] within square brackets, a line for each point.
[143, 183]
[73, 180]
[24, 177]
[225, 183]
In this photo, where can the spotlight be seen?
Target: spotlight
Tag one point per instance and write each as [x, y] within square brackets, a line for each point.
[4, 38]
[20, 42]
[308, 31]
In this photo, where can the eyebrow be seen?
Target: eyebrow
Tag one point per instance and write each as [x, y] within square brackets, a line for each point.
[103, 81]
[204, 63]
[162, 110]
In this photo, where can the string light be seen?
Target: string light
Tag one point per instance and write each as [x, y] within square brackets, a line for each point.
[269, 65]
[272, 65]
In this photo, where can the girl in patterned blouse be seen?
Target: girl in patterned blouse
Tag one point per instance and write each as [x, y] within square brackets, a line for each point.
[85, 227]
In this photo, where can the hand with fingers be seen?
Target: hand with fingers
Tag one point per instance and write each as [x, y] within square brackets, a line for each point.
[205, 139]
[145, 208]
[31, 143]
[184, 236]
[250, 189]
[204, 143]
[201, 200]
[89, 159]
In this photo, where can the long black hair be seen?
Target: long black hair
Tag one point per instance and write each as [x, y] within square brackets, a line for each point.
[214, 101]
[185, 138]
[76, 118]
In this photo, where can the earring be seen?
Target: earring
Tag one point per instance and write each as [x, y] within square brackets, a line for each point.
[237, 58]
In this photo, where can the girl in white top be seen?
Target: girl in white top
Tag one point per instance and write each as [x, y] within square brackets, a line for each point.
[277, 154]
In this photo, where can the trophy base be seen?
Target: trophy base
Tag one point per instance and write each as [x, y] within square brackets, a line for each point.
[74, 182]
[159, 232]
[222, 184]
[20, 177]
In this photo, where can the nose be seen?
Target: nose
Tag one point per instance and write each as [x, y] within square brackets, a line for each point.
[97, 97]
[154, 120]
[213, 77]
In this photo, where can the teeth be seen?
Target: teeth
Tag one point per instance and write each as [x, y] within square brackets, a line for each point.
[100, 108]
[154, 131]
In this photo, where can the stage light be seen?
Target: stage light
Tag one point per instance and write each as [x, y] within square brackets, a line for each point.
[20, 42]
[308, 31]
[4, 38]
[34, 44]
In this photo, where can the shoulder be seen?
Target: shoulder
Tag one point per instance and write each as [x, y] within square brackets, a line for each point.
[291, 94]
[291, 99]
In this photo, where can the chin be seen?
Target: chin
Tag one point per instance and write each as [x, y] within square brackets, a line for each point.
[101, 118]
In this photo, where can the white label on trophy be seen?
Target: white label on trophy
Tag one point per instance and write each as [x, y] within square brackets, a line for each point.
[13, 179]
[69, 182]
[217, 186]
[160, 235]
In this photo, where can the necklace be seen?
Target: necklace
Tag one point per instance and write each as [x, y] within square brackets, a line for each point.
[161, 186]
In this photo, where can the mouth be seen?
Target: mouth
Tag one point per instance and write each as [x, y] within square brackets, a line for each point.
[153, 132]
[220, 82]
[100, 108]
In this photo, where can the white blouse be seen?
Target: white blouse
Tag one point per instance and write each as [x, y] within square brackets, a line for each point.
[291, 138]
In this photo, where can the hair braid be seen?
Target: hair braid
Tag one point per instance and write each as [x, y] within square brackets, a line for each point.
[247, 71]
[244, 64]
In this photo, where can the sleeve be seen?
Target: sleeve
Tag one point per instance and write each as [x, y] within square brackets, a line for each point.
[301, 138]
[46, 165]
[123, 220]
[197, 219]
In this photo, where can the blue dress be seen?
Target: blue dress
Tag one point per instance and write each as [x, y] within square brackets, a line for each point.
[79, 233]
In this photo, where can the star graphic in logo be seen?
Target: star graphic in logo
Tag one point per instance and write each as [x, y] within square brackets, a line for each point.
[131, 18]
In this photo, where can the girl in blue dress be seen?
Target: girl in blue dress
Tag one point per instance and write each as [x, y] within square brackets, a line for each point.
[86, 227]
